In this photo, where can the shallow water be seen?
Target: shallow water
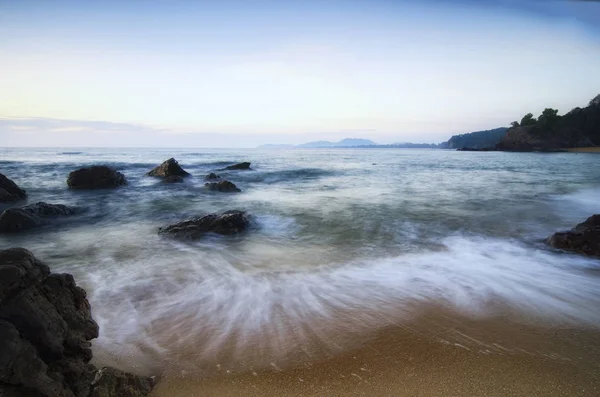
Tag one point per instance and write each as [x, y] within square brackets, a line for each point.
[343, 242]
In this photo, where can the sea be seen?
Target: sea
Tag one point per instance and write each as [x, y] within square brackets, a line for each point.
[342, 242]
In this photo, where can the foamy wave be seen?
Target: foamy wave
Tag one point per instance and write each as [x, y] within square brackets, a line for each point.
[208, 307]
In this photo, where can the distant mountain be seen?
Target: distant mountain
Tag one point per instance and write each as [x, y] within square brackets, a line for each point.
[348, 142]
[476, 140]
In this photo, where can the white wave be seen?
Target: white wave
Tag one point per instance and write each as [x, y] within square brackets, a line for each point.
[199, 307]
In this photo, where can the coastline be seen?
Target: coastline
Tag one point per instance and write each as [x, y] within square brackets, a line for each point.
[440, 353]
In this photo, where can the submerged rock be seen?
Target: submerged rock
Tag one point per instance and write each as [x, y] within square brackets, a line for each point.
[173, 179]
[227, 223]
[168, 168]
[95, 177]
[31, 216]
[45, 331]
[212, 177]
[222, 186]
[583, 238]
[239, 166]
[9, 191]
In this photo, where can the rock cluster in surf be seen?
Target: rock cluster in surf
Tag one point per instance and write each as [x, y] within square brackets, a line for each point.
[583, 238]
[31, 216]
[222, 186]
[45, 331]
[168, 168]
[95, 177]
[226, 223]
[239, 166]
[9, 191]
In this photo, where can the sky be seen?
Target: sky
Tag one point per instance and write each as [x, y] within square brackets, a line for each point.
[244, 73]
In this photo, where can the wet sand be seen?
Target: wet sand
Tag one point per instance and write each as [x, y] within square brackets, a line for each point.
[438, 354]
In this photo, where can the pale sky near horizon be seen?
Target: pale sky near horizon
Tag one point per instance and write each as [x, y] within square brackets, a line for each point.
[244, 73]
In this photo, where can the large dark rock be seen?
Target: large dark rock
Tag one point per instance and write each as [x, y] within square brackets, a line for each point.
[239, 166]
[95, 177]
[222, 186]
[45, 331]
[169, 167]
[212, 177]
[9, 191]
[47, 324]
[583, 239]
[31, 216]
[227, 223]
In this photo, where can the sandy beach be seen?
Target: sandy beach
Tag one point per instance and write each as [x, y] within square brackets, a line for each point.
[438, 354]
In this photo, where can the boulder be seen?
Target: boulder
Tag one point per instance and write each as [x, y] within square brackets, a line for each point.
[239, 166]
[45, 331]
[9, 191]
[222, 186]
[31, 216]
[212, 177]
[173, 179]
[583, 239]
[169, 167]
[95, 177]
[227, 223]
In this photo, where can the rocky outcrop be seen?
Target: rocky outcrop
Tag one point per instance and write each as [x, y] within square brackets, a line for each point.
[9, 191]
[583, 239]
[95, 177]
[227, 223]
[45, 331]
[173, 179]
[168, 168]
[550, 132]
[31, 216]
[47, 326]
[222, 186]
[239, 166]
[212, 177]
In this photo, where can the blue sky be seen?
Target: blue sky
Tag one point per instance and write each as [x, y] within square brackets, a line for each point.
[243, 73]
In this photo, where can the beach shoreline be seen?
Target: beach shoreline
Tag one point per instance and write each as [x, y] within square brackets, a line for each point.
[440, 353]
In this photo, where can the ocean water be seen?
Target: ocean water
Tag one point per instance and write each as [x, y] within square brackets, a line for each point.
[342, 242]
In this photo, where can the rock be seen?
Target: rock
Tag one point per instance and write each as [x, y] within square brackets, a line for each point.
[30, 216]
[169, 167]
[46, 325]
[110, 382]
[227, 223]
[240, 166]
[45, 331]
[9, 191]
[212, 177]
[223, 186]
[95, 177]
[173, 179]
[583, 239]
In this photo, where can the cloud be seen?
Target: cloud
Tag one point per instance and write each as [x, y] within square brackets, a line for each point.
[49, 132]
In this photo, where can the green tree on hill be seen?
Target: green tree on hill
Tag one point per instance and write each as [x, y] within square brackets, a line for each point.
[528, 119]
[548, 117]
